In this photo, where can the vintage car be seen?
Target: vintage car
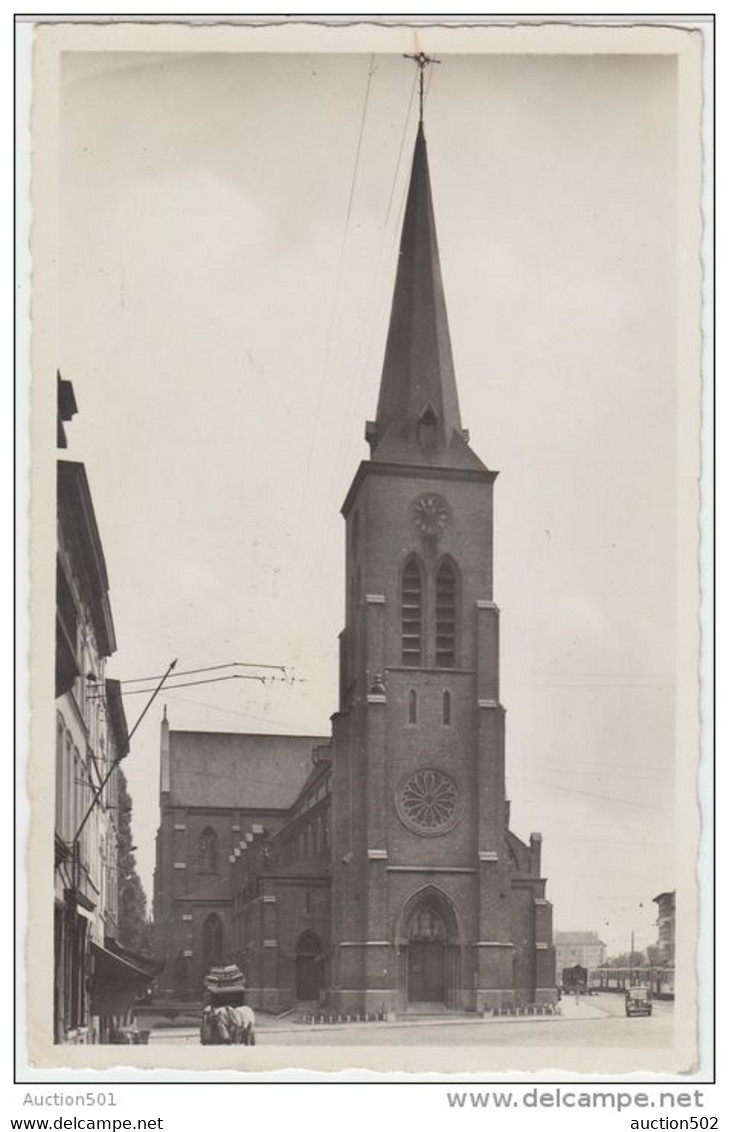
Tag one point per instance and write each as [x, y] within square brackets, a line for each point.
[638, 1001]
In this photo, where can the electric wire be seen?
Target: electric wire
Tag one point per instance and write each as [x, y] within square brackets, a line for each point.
[381, 294]
[195, 683]
[335, 308]
[209, 668]
[601, 797]
[242, 714]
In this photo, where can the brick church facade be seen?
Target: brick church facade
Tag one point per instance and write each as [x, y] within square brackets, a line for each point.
[380, 871]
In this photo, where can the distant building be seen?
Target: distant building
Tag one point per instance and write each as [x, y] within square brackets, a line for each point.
[666, 902]
[583, 948]
[93, 984]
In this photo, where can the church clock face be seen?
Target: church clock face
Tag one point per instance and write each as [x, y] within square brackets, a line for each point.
[430, 515]
[429, 802]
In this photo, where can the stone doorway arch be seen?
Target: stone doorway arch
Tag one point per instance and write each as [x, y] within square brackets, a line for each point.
[430, 969]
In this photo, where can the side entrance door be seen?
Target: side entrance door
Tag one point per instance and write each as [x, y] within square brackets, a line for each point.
[309, 968]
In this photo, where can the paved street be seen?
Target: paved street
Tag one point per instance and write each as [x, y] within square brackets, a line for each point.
[598, 1020]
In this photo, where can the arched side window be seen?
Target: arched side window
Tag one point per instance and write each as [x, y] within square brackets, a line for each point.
[208, 851]
[446, 588]
[447, 708]
[412, 614]
[412, 707]
[213, 940]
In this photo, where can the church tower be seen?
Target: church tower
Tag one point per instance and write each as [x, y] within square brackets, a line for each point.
[434, 902]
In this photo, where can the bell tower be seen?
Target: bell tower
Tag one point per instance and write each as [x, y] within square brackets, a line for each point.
[434, 900]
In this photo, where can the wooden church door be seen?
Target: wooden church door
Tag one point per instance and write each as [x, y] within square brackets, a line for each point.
[426, 958]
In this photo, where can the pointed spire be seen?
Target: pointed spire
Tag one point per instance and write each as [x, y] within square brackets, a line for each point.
[418, 418]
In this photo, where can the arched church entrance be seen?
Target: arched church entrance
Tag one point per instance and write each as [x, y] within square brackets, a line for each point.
[309, 968]
[430, 954]
[427, 957]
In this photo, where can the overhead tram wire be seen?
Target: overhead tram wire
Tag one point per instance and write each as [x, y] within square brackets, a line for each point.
[601, 797]
[213, 680]
[265, 680]
[381, 296]
[243, 714]
[386, 293]
[287, 677]
[209, 668]
[335, 303]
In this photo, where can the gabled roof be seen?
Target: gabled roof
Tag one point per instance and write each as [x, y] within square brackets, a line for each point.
[584, 938]
[233, 771]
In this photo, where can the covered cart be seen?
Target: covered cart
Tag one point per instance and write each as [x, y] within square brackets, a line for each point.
[226, 1019]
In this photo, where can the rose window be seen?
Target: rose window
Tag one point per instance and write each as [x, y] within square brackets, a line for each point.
[428, 802]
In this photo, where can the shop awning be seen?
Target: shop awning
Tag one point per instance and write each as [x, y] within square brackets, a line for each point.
[119, 976]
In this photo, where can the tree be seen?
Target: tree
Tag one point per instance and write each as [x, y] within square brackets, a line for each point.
[134, 925]
[627, 959]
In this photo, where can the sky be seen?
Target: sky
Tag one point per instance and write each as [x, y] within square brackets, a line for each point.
[228, 236]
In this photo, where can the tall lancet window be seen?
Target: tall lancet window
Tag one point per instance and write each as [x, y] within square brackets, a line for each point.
[208, 851]
[212, 940]
[445, 616]
[412, 614]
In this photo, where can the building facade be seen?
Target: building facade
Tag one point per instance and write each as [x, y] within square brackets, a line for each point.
[93, 984]
[583, 948]
[392, 880]
[666, 902]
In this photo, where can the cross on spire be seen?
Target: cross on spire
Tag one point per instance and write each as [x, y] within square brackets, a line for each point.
[422, 61]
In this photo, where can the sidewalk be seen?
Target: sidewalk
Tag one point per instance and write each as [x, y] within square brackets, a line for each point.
[570, 1011]
[582, 1010]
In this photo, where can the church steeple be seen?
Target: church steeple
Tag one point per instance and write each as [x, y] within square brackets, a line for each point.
[418, 417]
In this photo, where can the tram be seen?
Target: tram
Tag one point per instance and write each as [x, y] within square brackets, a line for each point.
[658, 980]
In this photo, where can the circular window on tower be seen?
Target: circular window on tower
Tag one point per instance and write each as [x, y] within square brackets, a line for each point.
[428, 802]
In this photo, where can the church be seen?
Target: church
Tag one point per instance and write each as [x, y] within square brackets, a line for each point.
[373, 869]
